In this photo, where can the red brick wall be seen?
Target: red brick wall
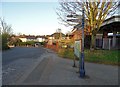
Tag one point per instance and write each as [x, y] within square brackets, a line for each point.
[53, 47]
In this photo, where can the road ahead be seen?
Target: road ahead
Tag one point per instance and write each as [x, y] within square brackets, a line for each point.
[21, 52]
[17, 60]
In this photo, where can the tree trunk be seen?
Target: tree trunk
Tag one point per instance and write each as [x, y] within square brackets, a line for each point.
[93, 42]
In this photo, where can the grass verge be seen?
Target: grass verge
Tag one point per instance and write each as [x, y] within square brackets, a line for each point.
[97, 56]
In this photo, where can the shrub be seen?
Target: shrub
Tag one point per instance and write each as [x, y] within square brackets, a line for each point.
[66, 53]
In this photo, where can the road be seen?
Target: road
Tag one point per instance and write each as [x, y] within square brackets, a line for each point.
[21, 52]
[16, 61]
[40, 66]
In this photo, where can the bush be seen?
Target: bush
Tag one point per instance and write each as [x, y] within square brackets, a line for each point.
[5, 41]
[66, 53]
[5, 47]
[43, 43]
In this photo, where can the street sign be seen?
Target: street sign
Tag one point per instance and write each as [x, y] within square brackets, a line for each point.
[74, 16]
[69, 15]
[74, 20]
[77, 48]
[78, 26]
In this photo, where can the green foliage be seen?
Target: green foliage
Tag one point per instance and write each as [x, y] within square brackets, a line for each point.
[22, 43]
[30, 42]
[66, 53]
[43, 43]
[5, 37]
[18, 42]
[5, 31]
[14, 41]
[96, 56]
[102, 56]
[26, 43]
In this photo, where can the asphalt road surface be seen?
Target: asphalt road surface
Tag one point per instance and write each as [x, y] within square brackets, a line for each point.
[17, 60]
[21, 52]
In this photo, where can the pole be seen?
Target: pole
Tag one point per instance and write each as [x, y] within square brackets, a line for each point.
[74, 64]
[82, 69]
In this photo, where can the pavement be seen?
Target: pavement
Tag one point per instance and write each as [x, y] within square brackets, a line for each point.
[53, 70]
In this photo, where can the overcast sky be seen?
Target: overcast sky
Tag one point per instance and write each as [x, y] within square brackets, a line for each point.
[36, 18]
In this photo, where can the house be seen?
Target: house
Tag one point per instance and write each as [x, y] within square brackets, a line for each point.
[26, 38]
[55, 37]
[58, 35]
[31, 38]
[40, 38]
[49, 39]
[23, 38]
[77, 34]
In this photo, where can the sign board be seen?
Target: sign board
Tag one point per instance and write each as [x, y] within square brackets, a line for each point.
[75, 16]
[74, 20]
[77, 48]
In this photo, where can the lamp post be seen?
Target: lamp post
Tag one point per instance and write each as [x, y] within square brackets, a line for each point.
[82, 69]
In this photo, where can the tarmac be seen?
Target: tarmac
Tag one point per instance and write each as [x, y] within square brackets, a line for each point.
[54, 70]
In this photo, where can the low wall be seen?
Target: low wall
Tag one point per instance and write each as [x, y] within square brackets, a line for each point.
[53, 47]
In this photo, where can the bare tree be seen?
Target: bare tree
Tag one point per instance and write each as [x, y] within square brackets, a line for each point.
[6, 31]
[5, 28]
[67, 8]
[95, 13]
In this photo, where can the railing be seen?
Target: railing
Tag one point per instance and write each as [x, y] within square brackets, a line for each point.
[107, 43]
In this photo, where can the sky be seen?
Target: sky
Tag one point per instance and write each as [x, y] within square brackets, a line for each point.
[34, 18]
